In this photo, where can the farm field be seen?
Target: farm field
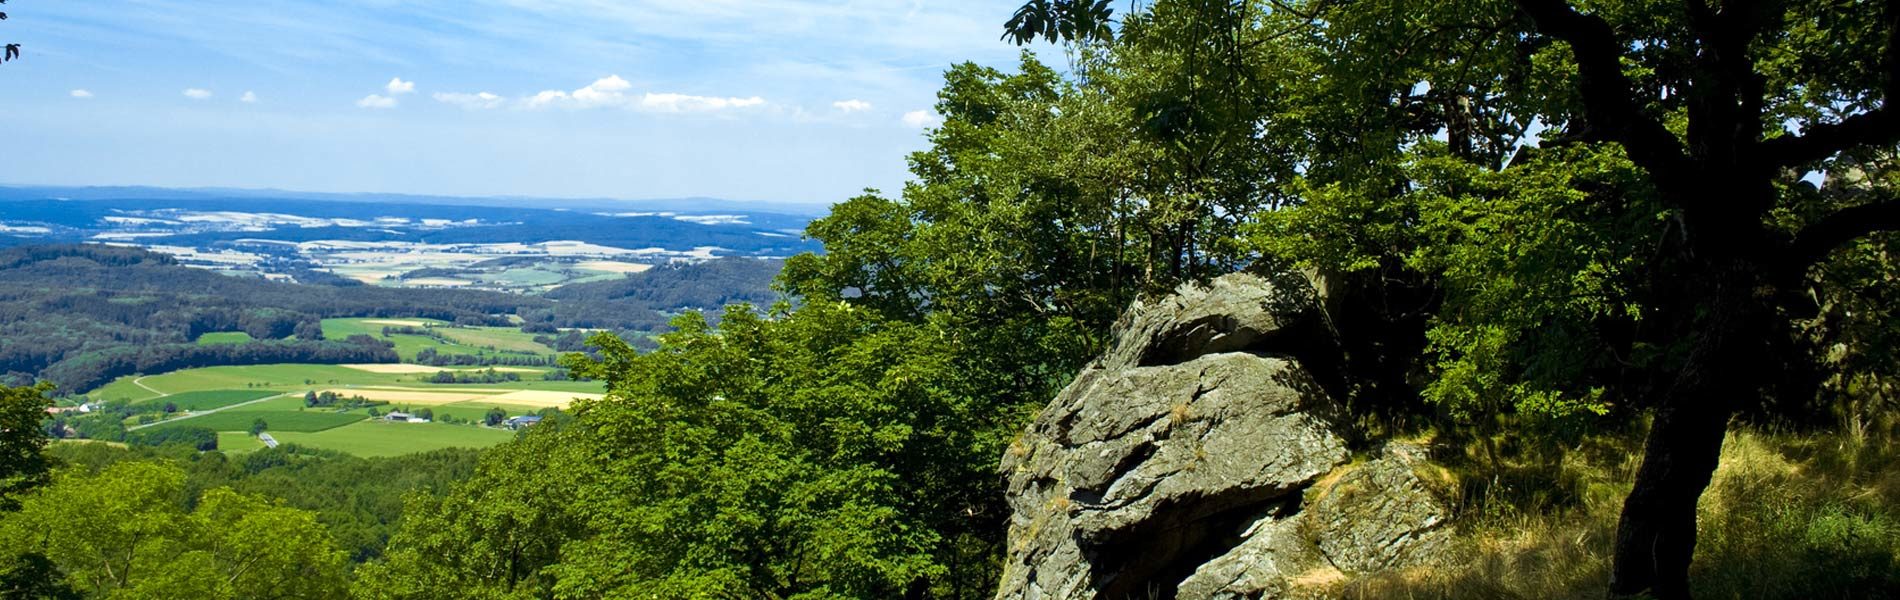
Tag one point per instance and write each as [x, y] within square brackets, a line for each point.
[276, 420]
[223, 337]
[380, 438]
[299, 377]
[475, 341]
[540, 268]
[275, 394]
[210, 399]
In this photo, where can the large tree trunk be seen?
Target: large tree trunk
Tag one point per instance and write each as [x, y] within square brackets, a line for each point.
[1655, 538]
[1721, 316]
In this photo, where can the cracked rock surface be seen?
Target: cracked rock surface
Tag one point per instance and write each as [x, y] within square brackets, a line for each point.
[1198, 459]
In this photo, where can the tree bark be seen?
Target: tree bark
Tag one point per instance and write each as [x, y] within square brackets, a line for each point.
[1726, 325]
[1656, 535]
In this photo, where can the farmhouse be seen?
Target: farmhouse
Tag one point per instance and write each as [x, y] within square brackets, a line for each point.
[522, 421]
[403, 417]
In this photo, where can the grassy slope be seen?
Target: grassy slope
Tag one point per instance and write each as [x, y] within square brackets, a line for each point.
[209, 399]
[1787, 516]
[377, 438]
[466, 340]
[223, 337]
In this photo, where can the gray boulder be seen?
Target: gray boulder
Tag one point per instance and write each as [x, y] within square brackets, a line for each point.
[1199, 459]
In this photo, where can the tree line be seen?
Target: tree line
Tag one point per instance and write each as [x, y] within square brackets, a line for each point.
[79, 315]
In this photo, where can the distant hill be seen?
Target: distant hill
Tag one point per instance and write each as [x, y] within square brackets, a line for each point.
[681, 286]
[689, 205]
[80, 315]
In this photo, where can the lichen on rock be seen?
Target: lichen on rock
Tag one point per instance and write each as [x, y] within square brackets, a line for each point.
[1180, 464]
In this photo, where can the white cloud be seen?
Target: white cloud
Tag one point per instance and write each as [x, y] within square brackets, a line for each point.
[684, 103]
[81, 94]
[197, 94]
[921, 119]
[606, 91]
[470, 101]
[376, 101]
[602, 92]
[398, 86]
[611, 91]
[249, 97]
[852, 105]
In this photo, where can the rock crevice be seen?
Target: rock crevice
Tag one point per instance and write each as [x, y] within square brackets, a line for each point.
[1199, 459]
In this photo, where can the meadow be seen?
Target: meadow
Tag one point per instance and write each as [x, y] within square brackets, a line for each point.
[211, 397]
[223, 337]
[474, 341]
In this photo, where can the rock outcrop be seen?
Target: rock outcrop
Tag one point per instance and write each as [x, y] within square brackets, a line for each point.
[1198, 458]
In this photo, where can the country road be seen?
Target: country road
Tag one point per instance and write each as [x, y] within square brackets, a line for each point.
[141, 383]
[203, 413]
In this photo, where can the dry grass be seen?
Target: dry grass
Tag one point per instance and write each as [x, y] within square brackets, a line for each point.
[1787, 516]
[541, 398]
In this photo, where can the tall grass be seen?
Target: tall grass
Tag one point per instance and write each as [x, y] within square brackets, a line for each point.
[1787, 516]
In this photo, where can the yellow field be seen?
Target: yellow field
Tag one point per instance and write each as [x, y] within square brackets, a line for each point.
[540, 398]
[440, 281]
[396, 322]
[612, 266]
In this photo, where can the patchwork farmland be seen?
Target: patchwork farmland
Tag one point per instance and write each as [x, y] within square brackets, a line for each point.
[238, 401]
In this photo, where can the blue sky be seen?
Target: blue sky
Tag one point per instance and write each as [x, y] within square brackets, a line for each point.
[776, 100]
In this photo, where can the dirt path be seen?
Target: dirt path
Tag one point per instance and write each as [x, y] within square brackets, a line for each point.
[203, 413]
[141, 383]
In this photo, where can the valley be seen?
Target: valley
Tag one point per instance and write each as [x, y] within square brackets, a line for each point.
[450, 407]
[524, 246]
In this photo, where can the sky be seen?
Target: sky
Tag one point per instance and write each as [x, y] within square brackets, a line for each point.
[765, 100]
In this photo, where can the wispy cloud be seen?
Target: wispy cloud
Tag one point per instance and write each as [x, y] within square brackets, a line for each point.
[479, 100]
[921, 119]
[852, 105]
[81, 94]
[249, 97]
[198, 94]
[376, 101]
[397, 86]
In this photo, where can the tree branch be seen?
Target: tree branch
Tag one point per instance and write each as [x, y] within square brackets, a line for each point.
[1880, 126]
[1815, 241]
[1609, 98]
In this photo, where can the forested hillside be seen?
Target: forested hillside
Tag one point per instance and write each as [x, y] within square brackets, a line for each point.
[80, 315]
[681, 286]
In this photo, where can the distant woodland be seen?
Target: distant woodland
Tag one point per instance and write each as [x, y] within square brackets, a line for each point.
[81, 315]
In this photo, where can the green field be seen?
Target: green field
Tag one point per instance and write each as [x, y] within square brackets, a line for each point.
[380, 438]
[277, 420]
[223, 337]
[299, 377]
[209, 399]
[499, 338]
[212, 388]
[474, 341]
[238, 442]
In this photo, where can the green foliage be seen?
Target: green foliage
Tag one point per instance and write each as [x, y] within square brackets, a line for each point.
[125, 532]
[22, 467]
[824, 453]
[198, 438]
